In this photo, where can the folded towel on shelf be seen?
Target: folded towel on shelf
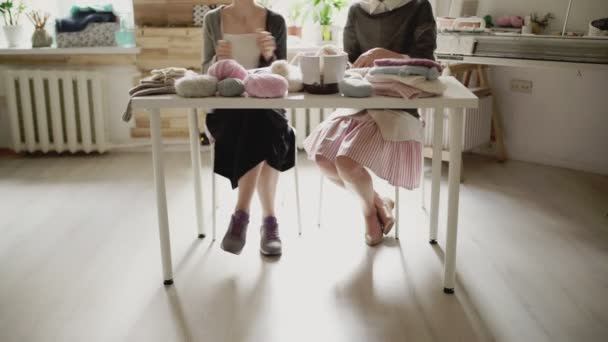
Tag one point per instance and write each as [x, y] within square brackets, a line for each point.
[81, 21]
[408, 61]
[407, 70]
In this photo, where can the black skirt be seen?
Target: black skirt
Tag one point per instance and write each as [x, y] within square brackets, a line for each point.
[246, 137]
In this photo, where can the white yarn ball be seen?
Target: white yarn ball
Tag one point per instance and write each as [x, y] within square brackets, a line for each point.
[295, 80]
[280, 67]
[291, 73]
[328, 50]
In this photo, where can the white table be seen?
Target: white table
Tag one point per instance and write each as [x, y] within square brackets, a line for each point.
[456, 97]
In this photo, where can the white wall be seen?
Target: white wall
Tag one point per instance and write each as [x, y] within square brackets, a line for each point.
[564, 122]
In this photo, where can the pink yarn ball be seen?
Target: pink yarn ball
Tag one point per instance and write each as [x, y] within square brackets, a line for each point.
[517, 21]
[227, 68]
[266, 85]
[504, 21]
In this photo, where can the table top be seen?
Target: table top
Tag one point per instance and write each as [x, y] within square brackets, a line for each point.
[455, 96]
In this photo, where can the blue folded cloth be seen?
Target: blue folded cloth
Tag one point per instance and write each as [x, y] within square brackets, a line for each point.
[406, 70]
[80, 21]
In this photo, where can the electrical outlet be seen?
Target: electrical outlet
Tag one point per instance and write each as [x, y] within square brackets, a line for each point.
[521, 86]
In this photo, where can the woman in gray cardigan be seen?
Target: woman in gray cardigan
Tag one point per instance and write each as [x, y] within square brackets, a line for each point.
[251, 145]
[350, 142]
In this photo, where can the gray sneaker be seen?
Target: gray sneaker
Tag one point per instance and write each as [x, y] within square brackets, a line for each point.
[236, 235]
[270, 242]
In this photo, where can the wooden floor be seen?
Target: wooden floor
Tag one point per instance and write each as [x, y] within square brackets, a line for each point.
[80, 260]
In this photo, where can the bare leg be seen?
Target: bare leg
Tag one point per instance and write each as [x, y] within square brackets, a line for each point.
[329, 170]
[267, 188]
[357, 178]
[247, 185]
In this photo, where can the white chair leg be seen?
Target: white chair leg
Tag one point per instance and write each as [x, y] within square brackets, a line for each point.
[422, 183]
[297, 181]
[213, 194]
[320, 211]
[397, 212]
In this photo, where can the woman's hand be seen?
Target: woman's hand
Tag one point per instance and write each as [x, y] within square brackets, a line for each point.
[367, 59]
[267, 44]
[223, 50]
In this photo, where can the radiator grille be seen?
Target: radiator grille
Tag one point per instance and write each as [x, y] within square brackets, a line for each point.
[53, 110]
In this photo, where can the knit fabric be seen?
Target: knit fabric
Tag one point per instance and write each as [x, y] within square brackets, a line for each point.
[435, 87]
[397, 89]
[230, 87]
[161, 81]
[352, 87]
[407, 70]
[408, 61]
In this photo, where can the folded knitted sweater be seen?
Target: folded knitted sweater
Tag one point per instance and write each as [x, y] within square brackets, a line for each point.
[435, 87]
[407, 70]
[408, 61]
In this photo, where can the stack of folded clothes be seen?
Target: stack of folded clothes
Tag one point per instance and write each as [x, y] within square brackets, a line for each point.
[407, 78]
[161, 81]
[87, 27]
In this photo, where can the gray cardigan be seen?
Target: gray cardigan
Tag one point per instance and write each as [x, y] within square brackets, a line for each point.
[212, 32]
[409, 30]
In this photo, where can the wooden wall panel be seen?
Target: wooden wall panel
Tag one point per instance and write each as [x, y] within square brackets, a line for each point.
[165, 47]
[167, 12]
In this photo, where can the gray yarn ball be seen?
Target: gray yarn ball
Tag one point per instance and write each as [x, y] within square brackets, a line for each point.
[196, 86]
[230, 87]
[352, 87]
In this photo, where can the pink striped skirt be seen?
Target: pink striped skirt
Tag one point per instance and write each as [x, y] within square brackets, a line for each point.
[359, 138]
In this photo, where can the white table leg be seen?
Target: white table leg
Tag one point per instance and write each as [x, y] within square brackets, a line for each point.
[456, 126]
[213, 194]
[297, 181]
[320, 211]
[397, 212]
[195, 154]
[161, 196]
[436, 173]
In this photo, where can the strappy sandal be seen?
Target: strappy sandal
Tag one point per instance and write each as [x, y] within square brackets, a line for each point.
[385, 214]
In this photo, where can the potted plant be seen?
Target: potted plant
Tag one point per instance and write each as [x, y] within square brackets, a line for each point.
[11, 13]
[539, 24]
[296, 16]
[323, 11]
[40, 38]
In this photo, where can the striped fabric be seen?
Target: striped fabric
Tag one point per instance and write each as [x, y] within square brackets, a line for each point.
[359, 138]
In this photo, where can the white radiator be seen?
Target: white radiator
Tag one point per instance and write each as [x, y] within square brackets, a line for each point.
[56, 110]
[305, 120]
[477, 126]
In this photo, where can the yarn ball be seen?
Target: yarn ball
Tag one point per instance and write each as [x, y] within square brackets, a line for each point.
[328, 50]
[227, 68]
[196, 86]
[504, 21]
[517, 21]
[280, 67]
[230, 87]
[352, 87]
[294, 81]
[291, 73]
[265, 85]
